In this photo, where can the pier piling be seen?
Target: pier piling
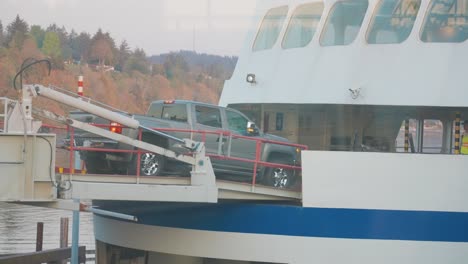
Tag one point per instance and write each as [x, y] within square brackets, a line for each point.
[39, 236]
[63, 232]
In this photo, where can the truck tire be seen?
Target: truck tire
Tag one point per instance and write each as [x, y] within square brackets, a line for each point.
[279, 177]
[151, 164]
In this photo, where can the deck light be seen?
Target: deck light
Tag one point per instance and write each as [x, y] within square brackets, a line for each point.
[251, 78]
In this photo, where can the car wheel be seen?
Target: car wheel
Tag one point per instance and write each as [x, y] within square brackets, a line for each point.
[279, 177]
[151, 164]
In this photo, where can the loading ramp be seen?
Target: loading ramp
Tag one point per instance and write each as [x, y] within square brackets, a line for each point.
[28, 173]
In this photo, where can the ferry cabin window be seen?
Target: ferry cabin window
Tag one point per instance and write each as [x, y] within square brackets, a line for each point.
[236, 122]
[302, 25]
[343, 23]
[446, 21]
[432, 133]
[412, 137]
[174, 112]
[393, 21]
[208, 116]
[270, 28]
[433, 136]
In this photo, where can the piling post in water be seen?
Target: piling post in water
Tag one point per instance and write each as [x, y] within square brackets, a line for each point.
[39, 235]
[63, 232]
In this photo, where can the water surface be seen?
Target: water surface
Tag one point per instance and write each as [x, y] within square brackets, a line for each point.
[18, 228]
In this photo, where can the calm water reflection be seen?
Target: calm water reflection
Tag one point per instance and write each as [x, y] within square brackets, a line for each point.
[18, 228]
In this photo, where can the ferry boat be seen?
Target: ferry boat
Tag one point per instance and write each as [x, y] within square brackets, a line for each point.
[377, 90]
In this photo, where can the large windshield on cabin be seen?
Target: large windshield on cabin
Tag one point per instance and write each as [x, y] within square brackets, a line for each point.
[302, 25]
[446, 21]
[344, 23]
[270, 28]
[393, 21]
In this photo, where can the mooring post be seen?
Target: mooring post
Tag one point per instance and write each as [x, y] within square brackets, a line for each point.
[63, 232]
[75, 234]
[64, 235]
[39, 235]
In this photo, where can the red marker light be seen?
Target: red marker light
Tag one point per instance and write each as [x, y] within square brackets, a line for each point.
[116, 127]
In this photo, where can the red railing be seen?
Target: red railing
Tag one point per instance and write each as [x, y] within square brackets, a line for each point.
[257, 162]
[258, 148]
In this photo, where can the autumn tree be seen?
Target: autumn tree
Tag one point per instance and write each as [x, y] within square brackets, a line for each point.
[30, 50]
[157, 69]
[216, 70]
[38, 34]
[16, 32]
[101, 48]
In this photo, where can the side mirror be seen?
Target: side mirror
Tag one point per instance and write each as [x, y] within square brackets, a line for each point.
[252, 129]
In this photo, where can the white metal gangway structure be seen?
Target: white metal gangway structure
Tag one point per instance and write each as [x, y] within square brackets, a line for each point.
[28, 168]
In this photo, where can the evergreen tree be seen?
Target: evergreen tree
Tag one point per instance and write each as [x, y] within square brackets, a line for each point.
[16, 32]
[38, 33]
[69, 52]
[123, 54]
[138, 62]
[71, 42]
[175, 66]
[80, 45]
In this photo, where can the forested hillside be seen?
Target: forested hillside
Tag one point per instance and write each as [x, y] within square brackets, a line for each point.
[113, 73]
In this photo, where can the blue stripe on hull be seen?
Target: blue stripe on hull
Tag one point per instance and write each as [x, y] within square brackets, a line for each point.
[314, 222]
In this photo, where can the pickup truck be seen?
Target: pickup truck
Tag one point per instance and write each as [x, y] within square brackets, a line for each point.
[185, 117]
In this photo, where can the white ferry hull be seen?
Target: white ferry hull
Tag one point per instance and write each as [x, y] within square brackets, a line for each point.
[385, 214]
[276, 248]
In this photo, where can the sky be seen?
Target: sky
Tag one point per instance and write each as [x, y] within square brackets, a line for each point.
[157, 26]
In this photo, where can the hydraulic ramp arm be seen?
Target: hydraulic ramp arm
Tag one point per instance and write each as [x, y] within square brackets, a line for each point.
[202, 172]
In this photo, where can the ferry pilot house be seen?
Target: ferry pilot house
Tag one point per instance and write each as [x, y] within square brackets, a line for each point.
[360, 85]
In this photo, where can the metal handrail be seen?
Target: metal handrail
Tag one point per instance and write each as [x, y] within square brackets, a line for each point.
[258, 146]
[257, 161]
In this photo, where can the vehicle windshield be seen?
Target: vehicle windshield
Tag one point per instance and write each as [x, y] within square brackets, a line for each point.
[236, 122]
[174, 112]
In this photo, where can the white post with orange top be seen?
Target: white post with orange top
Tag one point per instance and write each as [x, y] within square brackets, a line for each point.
[80, 85]
[78, 162]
